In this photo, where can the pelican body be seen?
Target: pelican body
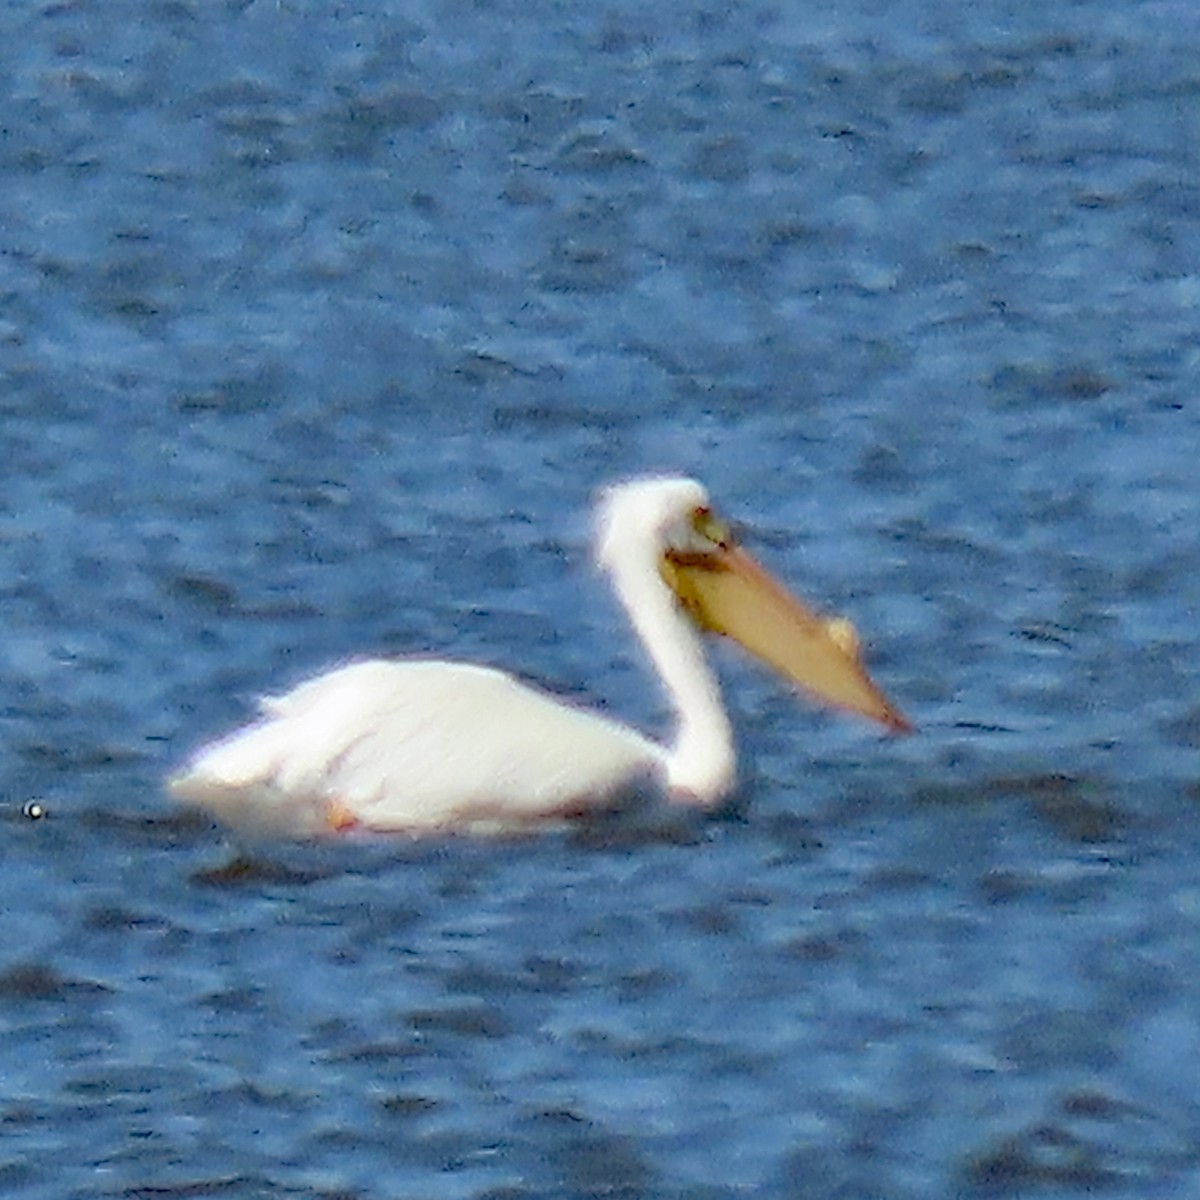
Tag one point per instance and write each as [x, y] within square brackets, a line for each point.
[419, 746]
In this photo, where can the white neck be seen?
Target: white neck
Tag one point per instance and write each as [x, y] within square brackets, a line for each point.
[700, 764]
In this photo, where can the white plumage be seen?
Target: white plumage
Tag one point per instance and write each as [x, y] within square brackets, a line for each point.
[422, 745]
[382, 744]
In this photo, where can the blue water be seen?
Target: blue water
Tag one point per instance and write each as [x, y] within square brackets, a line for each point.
[319, 327]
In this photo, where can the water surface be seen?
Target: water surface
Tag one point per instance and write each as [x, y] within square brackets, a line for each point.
[320, 327]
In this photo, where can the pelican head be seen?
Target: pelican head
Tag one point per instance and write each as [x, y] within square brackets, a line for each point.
[666, 528]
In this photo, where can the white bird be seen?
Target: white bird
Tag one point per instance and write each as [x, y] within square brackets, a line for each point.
[420, 746]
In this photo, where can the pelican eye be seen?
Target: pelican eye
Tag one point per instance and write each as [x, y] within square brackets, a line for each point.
[711, 528]
[695, 543]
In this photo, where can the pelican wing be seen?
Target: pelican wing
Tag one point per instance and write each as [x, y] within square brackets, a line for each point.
[412, 746]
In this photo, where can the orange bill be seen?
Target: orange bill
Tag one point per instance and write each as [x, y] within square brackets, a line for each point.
[727, 592]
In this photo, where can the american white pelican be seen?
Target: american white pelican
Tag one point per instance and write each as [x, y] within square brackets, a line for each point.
[421, 746]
